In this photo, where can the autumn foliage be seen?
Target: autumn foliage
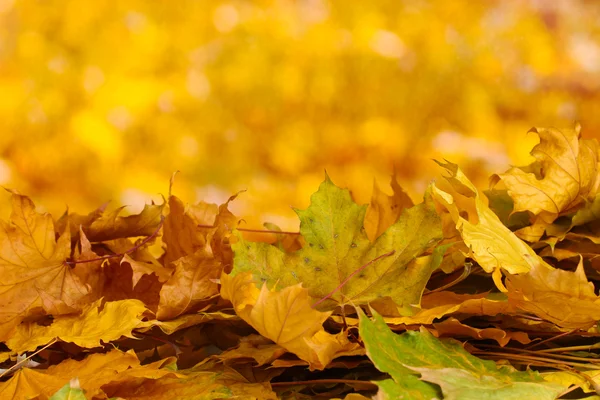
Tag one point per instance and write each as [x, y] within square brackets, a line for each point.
[459, 296]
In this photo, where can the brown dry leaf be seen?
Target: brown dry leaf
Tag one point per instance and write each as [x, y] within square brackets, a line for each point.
[286, 317]
[567, 178]
[118, 285]
[384, 210]
[261, 350]
[187, 320]
[562, 297]
[219, 236]
[452, 327]
[89, 268]
[116, 319]
[100, 226]
[192, 284]
[181, 233]
[34, 278]
[440, 304]
[140, 268]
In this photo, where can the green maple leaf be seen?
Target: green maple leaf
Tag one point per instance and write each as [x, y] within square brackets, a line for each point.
[338, 262]
[443, 364]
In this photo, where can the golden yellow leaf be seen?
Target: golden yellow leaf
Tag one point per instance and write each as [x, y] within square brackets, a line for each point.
[181, 234]
[93, 372]
[562, 297]
[34, 278]
[564, 177]
[440, 304]
[116, 319]
[567, 378]
[187, 320]
[191, 285]
[286, 317]
[492, 244]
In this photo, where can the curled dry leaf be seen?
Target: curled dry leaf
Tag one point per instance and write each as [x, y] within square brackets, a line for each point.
[563, 297]
[492, 244]
[564, 178]
[191, 285]
[286, 317]
[452, 327]
[116, 319]
[181, 234]
[100, 225]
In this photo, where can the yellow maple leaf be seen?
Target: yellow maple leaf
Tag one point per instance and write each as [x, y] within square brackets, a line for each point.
[181, 234]
[564, 177]
[116, 319]
[93, 372]
[34, 278]
[563, 297]
[192, 283]
[286, 317]
[492, 244]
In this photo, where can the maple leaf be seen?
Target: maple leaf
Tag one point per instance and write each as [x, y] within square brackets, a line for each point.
[140, 268]
[93, 373]
[116, 319]
[100, 226]
[564, 177]
[181, 234]
[338, 262]
[563, 297]
[286, 317]
[192, 284]
[447, 364]
[34, 278]
[492, 244]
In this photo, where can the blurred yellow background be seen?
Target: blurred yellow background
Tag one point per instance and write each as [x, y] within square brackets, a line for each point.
[104, 100]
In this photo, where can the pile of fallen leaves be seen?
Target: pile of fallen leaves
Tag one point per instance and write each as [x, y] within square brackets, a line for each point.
[455, 297]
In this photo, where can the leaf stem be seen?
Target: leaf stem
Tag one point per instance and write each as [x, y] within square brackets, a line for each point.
[29, 357]
[550, 339]
[341, 285]
[533, 358]
[254, 230]
[571, 348]
[537, 352]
